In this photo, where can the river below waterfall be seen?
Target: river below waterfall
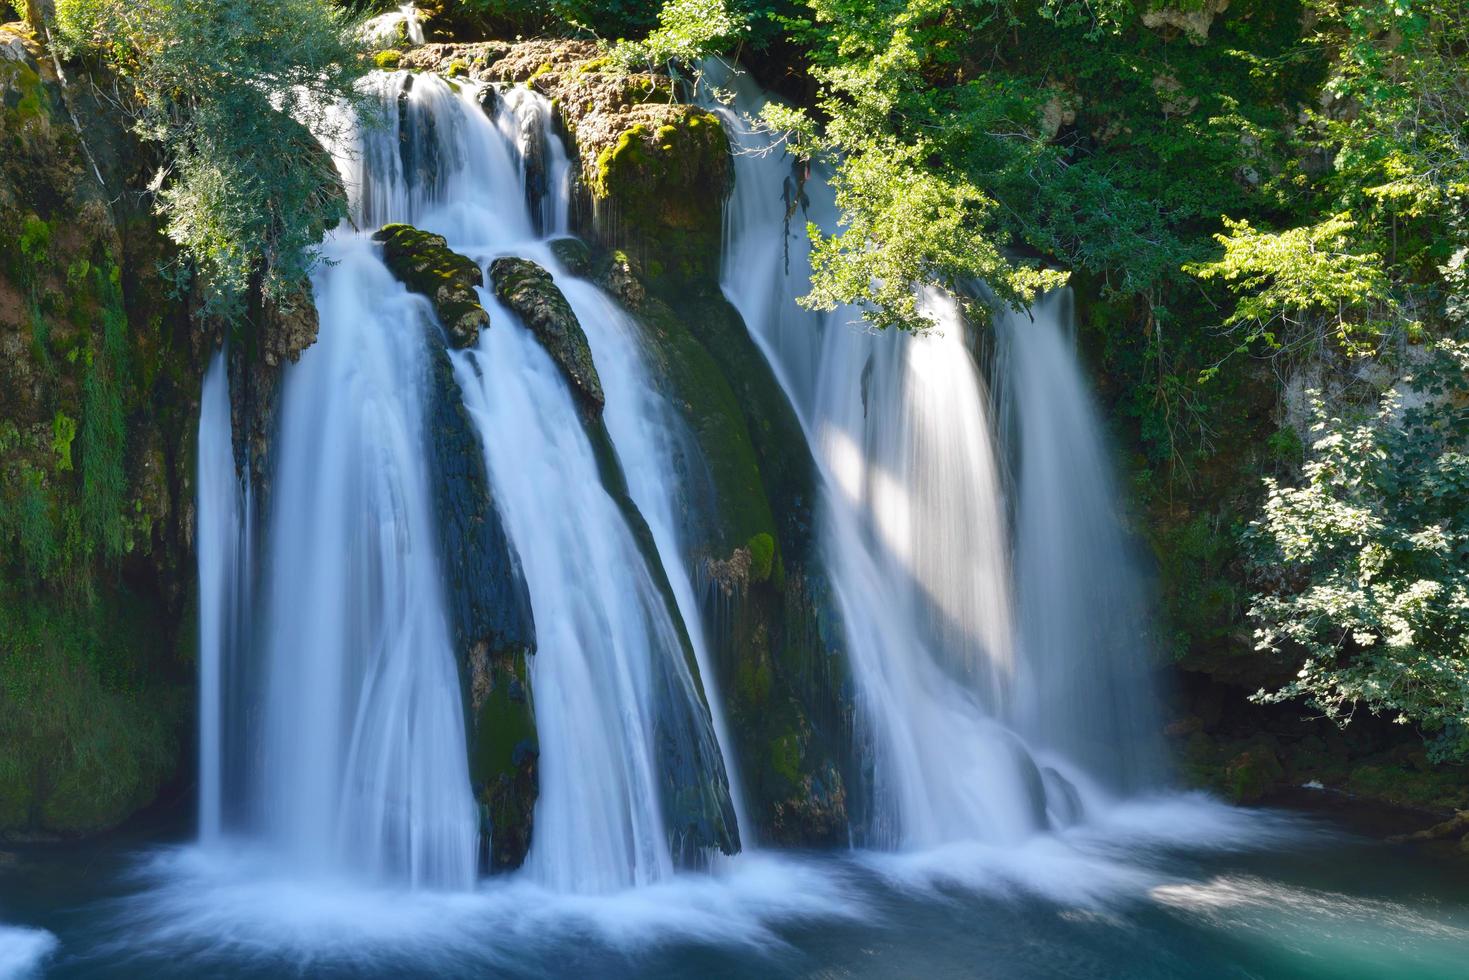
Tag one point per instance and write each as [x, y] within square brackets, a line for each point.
[1177, 887]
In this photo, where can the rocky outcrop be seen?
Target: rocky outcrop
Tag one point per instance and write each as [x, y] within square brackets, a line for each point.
[529, 290]
[654, 172]
[1192, 19]
[424, 263]
[490, 615]
[775, 637]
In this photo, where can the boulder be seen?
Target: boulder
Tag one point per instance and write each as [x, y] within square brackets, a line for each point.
[425, 264]
[529, 290]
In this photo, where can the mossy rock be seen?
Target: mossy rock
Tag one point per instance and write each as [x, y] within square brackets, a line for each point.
[659, 189]
[504, 753]
[530, 291]
[574, 254]
[775, 638]
[424, 263]
[490, 616]
[99, 379]
[90, 712]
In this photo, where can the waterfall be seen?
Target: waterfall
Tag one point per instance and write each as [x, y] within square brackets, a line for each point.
[616, 703]
[360, 764]
[1084, 688]
[984, 686]
[956, 716]
[364, 761]
[222, 541]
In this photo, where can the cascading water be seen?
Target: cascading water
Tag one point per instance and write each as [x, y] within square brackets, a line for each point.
[1083, 688]
[221, 522]
[620, 716]
[363, 763]
[913, 512]
[222, 541]
[363, 751]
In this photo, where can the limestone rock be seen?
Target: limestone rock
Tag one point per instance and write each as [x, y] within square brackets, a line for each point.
[1194, 22]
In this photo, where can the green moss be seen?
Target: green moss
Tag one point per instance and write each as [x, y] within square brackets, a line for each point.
[457, 69]
[762, 557]
[785, 757]
[424, 263]
[719, 422]
[387, 60]
[87, 731]
[63, 431]
[103, 429]
[505, 728]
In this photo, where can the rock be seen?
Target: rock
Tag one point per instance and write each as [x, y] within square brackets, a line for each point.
[775, 637]
[658, 188]
[655, 172]
[529, 290]
[574, 254]
[289, 326]
[619, 276]
[99, 380]
[425, 264]
[1455, 826]
[490, 617]
[1194, 22]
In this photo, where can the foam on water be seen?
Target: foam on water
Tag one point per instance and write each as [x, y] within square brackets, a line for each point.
[24, 952]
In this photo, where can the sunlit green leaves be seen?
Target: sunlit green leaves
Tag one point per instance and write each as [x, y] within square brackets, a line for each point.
[1371, 559]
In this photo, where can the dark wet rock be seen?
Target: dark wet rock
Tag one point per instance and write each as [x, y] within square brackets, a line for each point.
[698, 812]
[619, 275]
[490, 616]
[425, 264]
[1253, 773]
[776, 640]
[529, 290]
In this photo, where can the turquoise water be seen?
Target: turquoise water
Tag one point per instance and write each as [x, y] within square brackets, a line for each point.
[1172, 888]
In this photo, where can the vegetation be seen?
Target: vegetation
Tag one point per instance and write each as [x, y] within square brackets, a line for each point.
[1371, 560]
[1234, 187]
[233, 91]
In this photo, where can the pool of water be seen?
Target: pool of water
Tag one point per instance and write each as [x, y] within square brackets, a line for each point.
[1175, 887]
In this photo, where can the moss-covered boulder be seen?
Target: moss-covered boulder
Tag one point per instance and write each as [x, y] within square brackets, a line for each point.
[529, 290]
[659, 189]
[653, 172]
[574, 254]
[425, 264]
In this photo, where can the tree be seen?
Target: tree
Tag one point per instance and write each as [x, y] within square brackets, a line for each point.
[1370, 560]
[237, 92]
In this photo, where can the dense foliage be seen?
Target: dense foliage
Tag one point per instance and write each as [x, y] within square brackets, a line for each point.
[233, 90]
[1370, 559]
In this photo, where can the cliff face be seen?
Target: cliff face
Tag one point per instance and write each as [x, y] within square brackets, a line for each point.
[99, 378]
